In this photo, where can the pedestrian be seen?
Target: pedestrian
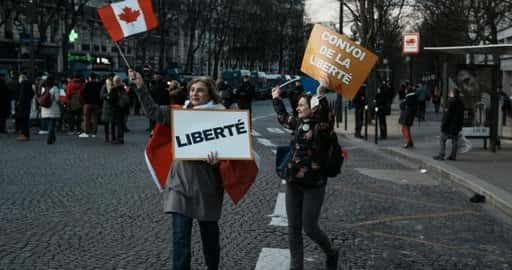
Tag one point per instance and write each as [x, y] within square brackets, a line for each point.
[195, 190]
[118, 99]
[91, 108]
[107, 109]
[451, 125]
[294, 96]
[436, 99]
[408, 109]
[5, 104]
[159, 93]
[359, 102]
[177, 94]
[307, 175]
[227, 96]
[23, 107]
[383, 109]
[13, 85]
[74, 89]
[421, 96]
[52, 113]
[245, 94]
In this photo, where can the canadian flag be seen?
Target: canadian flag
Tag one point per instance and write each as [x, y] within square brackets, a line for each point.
[127, 18]
[237, 176]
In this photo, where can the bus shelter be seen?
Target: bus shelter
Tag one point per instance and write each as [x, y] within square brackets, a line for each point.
[479, 85]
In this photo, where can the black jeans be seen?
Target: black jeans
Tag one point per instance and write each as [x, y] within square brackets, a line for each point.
[181, 239]
[444, 138]
[52, 126]
[303, 207]
[75, 120]
[383, 125]
[118, 130]
[359, 114]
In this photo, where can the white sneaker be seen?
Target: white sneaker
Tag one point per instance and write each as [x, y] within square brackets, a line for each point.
[83, 135]
[93, 136]
[42, 132]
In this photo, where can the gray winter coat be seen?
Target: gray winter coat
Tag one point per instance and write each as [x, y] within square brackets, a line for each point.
[106, 112]
[193, 188]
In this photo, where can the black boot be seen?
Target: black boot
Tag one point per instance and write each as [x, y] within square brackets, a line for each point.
[331, 262]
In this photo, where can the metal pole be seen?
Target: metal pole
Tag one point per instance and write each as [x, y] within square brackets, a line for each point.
[410, 68]
[32, 45]
[366, 122]
[376, 124]
[339, 97]
[346, 116]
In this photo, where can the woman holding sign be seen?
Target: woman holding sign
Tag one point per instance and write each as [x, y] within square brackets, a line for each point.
[307, 176]
[193, 188]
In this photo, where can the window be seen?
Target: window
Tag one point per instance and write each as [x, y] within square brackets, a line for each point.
[96, 48]
[85, 47]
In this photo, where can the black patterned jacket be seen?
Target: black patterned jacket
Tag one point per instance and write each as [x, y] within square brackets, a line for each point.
[309, 145]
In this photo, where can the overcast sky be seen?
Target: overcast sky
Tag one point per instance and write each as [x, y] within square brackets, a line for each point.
[326, 11]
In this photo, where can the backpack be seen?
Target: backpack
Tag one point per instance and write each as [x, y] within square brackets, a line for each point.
[45, 100]
[335, 157]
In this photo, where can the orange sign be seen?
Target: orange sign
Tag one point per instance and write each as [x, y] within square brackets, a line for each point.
[346, 63]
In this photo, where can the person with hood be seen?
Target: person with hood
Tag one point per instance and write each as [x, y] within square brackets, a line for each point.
[23, 107]
[193, 188]
[177, 94]
[451, 125]
[52, 113]
[245, 94]
[118, 100]
[307, 173]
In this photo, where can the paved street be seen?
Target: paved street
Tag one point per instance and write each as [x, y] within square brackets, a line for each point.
[84, 204]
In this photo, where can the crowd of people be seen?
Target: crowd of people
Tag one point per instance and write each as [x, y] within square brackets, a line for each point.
[80, 105]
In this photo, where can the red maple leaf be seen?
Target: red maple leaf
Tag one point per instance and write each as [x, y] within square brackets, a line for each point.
[129, 15]
[410, 41]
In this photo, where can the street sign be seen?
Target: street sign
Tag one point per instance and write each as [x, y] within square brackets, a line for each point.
[411, 43]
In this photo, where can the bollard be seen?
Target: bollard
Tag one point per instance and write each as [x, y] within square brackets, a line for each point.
[376, 125]
[366, 122]
[346, 113]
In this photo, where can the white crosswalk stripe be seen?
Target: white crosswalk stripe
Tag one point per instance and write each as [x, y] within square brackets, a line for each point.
[279, 217]
[255, 133]
[275, 130]
[265, 142]
[273, 259]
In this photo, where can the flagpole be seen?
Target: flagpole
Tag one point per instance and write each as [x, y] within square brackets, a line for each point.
[122, 55]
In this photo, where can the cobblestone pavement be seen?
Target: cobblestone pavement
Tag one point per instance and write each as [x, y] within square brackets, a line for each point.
[84, 204]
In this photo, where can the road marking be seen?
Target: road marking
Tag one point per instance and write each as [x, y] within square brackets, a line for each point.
[275, 130]
[273, 259]
[279, 217]
[266, 142]
[426, 216]
[263, 116]
[256, 133]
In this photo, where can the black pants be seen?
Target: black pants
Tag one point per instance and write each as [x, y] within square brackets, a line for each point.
[3, 123]
[383, 126]
[75, 120]
[359, 114]
[23, 124]
[303, 207]
[444, 138]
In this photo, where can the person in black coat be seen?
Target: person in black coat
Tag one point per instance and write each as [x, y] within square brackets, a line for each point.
[5, 104]
[382, 103]
[359, 102]
[451, 125]
[23, 105]
[408, 108]
[226, 93]
[244, 94]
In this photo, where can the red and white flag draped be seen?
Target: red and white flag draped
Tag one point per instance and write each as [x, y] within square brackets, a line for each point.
[237, 176]
[127, 18]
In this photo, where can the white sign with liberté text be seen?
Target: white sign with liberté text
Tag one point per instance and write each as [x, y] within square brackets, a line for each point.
[195, 133]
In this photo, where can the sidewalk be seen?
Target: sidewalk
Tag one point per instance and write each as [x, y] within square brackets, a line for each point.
[477, 171]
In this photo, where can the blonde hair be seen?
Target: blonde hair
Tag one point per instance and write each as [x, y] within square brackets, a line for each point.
[213, 93]
[108, 84]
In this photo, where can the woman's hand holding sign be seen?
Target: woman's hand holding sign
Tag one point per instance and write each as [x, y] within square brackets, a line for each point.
[213, 158]
[276, 92]
[323, 86]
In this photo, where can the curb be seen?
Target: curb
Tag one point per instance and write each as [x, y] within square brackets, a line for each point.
[470, 184]
[467, 183]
